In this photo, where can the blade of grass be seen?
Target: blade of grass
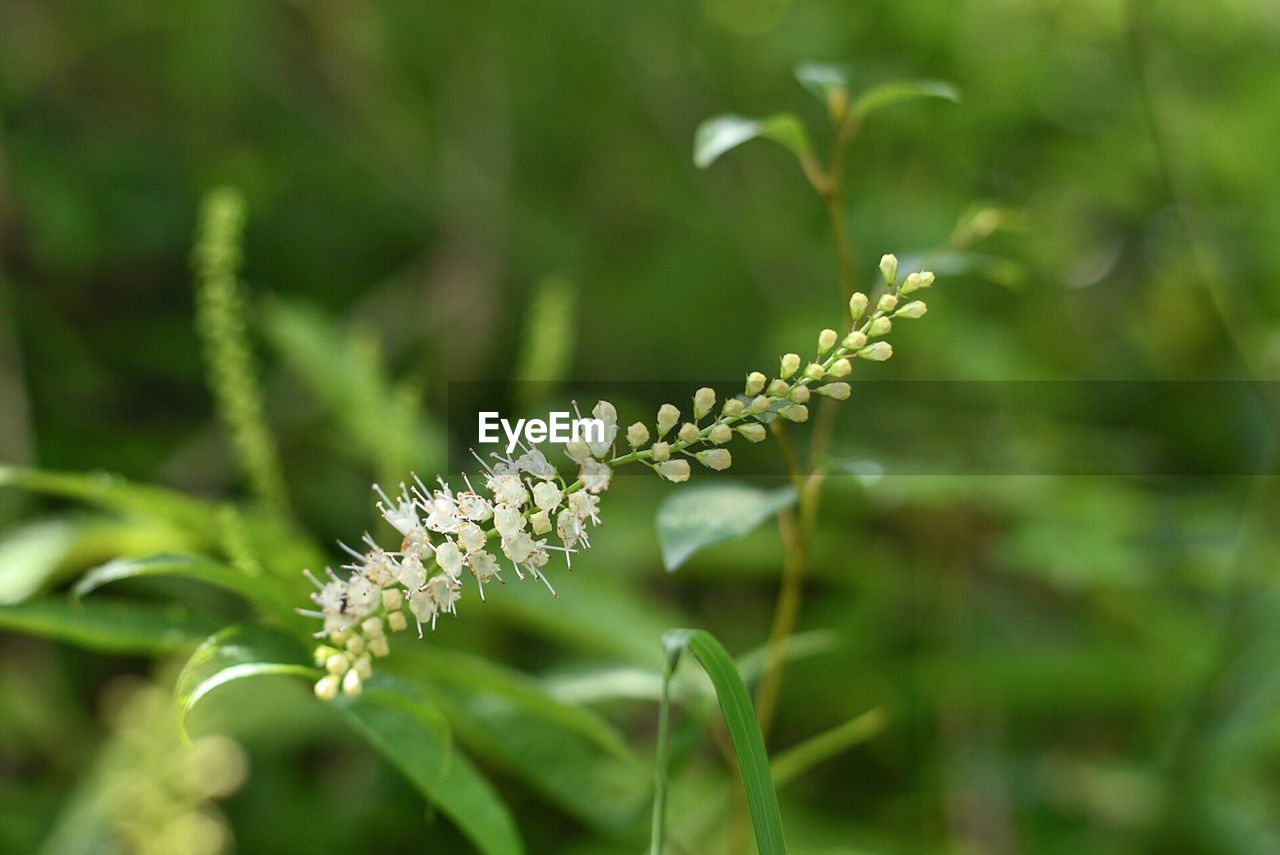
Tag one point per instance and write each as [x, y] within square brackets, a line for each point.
[744, 734]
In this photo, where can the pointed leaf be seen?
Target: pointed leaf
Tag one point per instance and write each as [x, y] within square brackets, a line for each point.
[718, 135]
[699, 516]
[899, 91]
[823, 79]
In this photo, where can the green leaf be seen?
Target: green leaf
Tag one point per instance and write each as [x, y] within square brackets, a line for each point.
[718, 135]
[744, 734]
[264, 591]
[570, 755]
[823, 79]
[237, 653]
[698, 516]
[413, 735]
[796, 761]
[108, 626]
[900, 91]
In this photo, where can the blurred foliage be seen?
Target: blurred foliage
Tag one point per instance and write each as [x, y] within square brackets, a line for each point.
[1062, 663]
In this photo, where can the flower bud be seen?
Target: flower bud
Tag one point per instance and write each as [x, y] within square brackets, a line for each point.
[826, 340]
[674, 470]
[889, 268]
[755, 382]
[720, 433]
[355, 645]
[887, 303]
[857, 304]
[926, 278]
[661, 452]
[814, 371]
[795, 413]
[352, 685]
[577, 451]
[789, 364]
[779, 388]
[688, 432]
[839, 391]
[913, 282]
[391, 599]
[754, 432]
[881, 326]
[732, 407]
[637, 435]
[878, 352]
[759, 404]
[364, 667]
[839, 368]
[799, 395]
[337, 664]
[718, 459]
[855, 340]
[914, 309]
[378, 647]
[703, 400]
[327, 688]
[397, 622]
[372, 628]
[668, 415]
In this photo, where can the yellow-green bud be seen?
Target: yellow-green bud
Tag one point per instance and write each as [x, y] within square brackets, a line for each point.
[337, 664]
[889, 268]
[720, 433]
[733, 407]
[352, 685]
[668, 415]
[814, 371]
[913, 282]
[397, 622]
[688, 432]
[718, 459]
[914, 309]
[881, 326]
[759, 404]
[637, 435]
[887, 303]
[364, 667]
[790, 364]
[753, 432]
[839, 391]
[779, 388]
[755, 382]
[795, 413]
[540, 522]
[378, 647]
[826, 340]
[391, 599]
[857, 305]
[839, 368]
[372, 627]
[799, 395]
[855, 340]
[878, 352]
[661, 452]
[355, 645]
[703, 400]
[674, 470]
[327, 687]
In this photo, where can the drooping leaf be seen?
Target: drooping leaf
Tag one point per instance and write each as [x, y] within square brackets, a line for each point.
[571, 756]
[108, 626]
[413, 735]
[744, 734]
[699, 516]
[900, 91]
[720, 134]
[264, 591]
[237, 653]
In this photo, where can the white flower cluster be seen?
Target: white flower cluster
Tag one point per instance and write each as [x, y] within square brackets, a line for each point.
[526, 502]
[444, 534]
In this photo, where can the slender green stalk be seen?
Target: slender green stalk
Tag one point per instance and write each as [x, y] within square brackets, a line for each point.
[220, 320]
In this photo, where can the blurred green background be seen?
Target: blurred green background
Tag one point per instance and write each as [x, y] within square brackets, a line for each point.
[1066, 663]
